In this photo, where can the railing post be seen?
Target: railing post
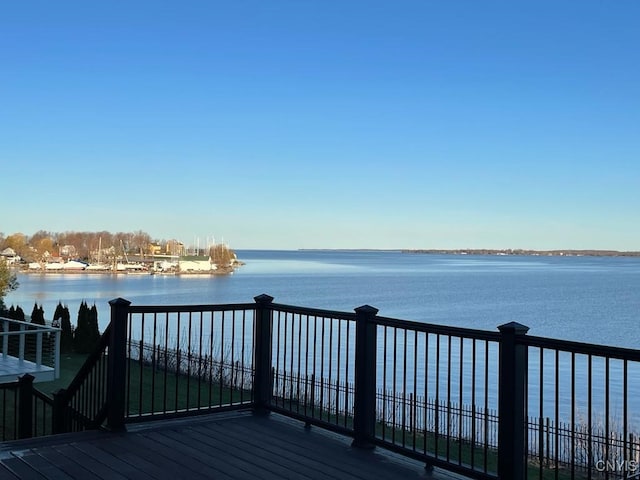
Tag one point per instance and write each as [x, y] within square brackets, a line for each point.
[56, 354]
[117, 364]
[59, 414]
[512, 402]
[25, 406]
[39, 348]
[262, 333]
[5, 338]
[364, 415]
[21, 339]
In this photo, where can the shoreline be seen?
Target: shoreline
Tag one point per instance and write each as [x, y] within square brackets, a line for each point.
[486, 251]
[225, 271]
[523, 252]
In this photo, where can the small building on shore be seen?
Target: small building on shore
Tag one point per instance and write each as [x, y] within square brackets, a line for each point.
[9, 255]
[196, 264]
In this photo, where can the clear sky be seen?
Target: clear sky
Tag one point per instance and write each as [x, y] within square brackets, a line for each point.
[324, 124]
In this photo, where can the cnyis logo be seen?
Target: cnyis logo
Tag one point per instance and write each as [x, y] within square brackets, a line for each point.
[630, 467]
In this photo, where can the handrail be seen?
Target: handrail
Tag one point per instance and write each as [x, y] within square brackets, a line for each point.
[189, 308]
[619, 353]
[320, 312]
[438, 329]
[35, 326]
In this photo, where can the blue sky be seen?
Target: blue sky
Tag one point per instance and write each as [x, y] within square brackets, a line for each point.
[324, 124]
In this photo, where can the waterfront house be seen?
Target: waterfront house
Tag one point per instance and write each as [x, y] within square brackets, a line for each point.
[9, 255]
[196, 264]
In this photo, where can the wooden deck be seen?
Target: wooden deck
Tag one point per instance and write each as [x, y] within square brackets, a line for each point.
[11, 368]
[221, 446]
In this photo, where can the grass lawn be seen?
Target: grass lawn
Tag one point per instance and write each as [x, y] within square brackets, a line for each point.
[157, 391]
[70, 364]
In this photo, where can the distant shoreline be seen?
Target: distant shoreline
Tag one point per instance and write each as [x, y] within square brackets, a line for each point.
[487, 251]
[537, 253]
[132, 274]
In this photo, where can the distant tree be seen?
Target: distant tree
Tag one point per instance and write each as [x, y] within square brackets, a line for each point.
[140, 241]
[18, 241]
[62, 319]
[37, 315]
[43, 247]
[14, 341]
[16, 313]
[94, 331]
[82, 327]
[41, 243]
[8, 282]
[31, 342]
[86, 335]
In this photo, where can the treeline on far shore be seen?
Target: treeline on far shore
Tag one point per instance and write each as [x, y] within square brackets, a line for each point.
[73, 244]
[548, 253]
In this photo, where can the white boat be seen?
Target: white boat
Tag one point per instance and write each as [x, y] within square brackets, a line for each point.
[97, 267]
[74, 265]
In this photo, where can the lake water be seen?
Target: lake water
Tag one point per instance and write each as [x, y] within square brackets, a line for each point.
[589, 299]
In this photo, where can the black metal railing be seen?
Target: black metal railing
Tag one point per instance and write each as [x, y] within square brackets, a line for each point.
[25, 411]
[188, 359]
[440, 393]
[484, 404]
[460, 399]
[313, 364]
[83, 404]
[585, 402]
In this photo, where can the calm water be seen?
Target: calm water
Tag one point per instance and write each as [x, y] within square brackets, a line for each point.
[578, 298]
[594, 300]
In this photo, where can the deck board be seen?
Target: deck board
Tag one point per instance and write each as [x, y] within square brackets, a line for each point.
[250, 457]
[23, 470]
[222, 446]
[67, 469]
[100, 470]
[189, 457]
[115, 463]
[6, 474]
[144, 460]
[297, 457]
[11, 368]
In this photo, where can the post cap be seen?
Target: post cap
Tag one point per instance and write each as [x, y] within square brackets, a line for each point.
[367, 310]
[264, 298]
[514, 327]
[119, 302]
[26, 378]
